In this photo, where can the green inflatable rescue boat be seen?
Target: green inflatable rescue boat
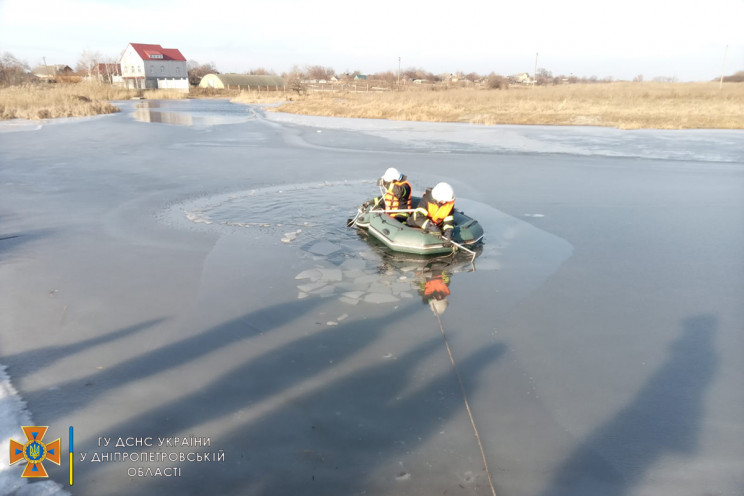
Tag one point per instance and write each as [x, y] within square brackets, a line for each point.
[400, 237]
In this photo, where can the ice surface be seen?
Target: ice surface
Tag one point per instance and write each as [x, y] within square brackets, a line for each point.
[427, 137]
[598, 338]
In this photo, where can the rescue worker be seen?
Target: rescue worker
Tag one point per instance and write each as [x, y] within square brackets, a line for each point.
[434, 289]
[397, 194]
[434, 212]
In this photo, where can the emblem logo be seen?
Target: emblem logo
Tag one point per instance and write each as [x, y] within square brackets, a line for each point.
[35, 451]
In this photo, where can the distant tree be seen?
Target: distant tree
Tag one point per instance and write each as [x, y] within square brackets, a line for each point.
[87, 62]
[294, 80]
[111, 68]
[497, 82]
[737, 77]
[388, 77]
[665, 79]
[13, 71]
[473, 77]
[319, 72]
[409, 74]
[197, 71]
[543, 76]
[261, 72]
[638, 78]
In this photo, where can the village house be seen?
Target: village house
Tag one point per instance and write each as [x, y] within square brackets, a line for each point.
[146, 66]
[52, 73]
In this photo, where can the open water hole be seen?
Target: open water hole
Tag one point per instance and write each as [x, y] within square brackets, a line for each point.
[346, 263]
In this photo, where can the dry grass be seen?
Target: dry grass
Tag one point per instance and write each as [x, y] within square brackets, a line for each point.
[262, 97]
[68, 100]
[622, 105]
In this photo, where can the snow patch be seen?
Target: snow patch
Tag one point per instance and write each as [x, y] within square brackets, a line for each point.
[13, 415]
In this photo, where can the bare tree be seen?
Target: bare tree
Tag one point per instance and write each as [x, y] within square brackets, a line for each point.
[87, 61]
[197, 71]
[261, 72]
[497, 82]
[543, 76]
[13, 71]
[294, 79]
[319, 72]
[737, 77]
[389, 77]
[473, 77]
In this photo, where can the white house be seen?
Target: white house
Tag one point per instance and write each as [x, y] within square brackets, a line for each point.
[152, 66]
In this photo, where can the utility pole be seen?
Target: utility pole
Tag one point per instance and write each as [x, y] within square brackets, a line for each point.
[398, 72]
[534, 78]
[723, 69]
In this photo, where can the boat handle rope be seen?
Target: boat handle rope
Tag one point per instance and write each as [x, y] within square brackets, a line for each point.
[467, 404]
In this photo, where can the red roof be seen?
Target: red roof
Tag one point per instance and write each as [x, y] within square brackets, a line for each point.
[156, 52]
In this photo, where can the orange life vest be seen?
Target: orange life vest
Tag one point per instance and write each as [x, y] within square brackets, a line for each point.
[392, 202]
[436, 288]
[437, 213]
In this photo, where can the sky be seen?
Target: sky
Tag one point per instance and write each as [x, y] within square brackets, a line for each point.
[684, 39]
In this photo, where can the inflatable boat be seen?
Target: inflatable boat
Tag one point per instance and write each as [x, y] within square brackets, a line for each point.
[400, 237]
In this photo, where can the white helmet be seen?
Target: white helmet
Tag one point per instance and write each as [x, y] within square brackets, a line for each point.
[392, 174]
[443, 192]
[438, 306]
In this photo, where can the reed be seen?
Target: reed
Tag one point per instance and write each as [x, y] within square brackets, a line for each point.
[621, 105]
[50, 101]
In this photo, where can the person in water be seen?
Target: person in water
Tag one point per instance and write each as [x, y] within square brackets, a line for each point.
[434, 212]
[434, 288]
[397, 194]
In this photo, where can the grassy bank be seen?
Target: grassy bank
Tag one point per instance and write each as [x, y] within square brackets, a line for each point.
[621, 105]
[50, 101]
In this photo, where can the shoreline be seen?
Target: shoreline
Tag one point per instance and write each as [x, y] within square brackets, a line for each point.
[669, 106]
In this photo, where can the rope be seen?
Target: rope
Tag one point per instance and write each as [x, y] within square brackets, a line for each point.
[467, 404]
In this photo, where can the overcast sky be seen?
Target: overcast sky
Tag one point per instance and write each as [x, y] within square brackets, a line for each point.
[685, 39]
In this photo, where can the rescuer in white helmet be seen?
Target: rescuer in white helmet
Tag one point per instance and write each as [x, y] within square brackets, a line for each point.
[434, 211]
[397, 194]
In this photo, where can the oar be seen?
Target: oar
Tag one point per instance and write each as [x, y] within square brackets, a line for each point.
[458, 245]
[351, 222]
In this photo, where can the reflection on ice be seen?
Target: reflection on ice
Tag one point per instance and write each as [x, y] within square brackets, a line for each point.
[190, 113]
[355, 276]
[148, 112]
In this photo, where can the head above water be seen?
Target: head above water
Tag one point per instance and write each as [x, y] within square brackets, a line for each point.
[443, 193]
[438, 306]
[392, 174]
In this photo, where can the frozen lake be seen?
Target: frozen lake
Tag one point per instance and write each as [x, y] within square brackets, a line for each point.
[182, 271]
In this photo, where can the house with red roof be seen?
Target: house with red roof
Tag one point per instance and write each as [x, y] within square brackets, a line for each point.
[145, 66]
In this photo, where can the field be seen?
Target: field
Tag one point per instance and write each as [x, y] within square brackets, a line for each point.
[623, 105]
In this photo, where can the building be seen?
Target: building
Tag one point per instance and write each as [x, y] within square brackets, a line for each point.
[107, 73]
[153, 67]
[241, 81]
[52, 73]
